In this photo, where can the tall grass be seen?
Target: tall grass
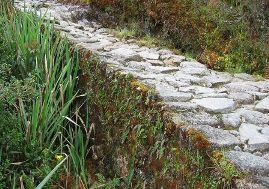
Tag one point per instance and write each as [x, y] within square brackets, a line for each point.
[42, 53]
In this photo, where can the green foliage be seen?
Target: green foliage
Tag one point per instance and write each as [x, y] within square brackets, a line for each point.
[107, 184]
[37, 89]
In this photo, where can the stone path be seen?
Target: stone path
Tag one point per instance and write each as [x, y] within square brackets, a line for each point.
[230, 109]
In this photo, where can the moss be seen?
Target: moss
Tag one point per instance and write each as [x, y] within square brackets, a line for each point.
[139, 86]
[137, 139]
[198, 139]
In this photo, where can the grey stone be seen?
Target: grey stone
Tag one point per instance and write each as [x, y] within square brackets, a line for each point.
[251, 134]
[215, 105]
[258, 95]
[266, 156]
[216, 79]
[192, 64]
[135, 57]
[234, 132]
[265, 131]
[258, 153]
[156, 62]
[242, 98]
[217, 137]
[138, 65]
[212, 95]
[181, 106]
[263, 105]
[248, 162]
[141, 75]
[237, 148]
[165, 52]
[149, 55]
[263, 85]
[197, 89]
[240, 87]
[172, 81]
[161, 69]
[166, 57]
[98, 45]
[123, 52]
[164, 88]
[176, 59]
[231, 120]
[175, 96]
[180, 76]
[202, 118]
[254, 117]
[248, 184]
[245, 76]
[263, 180]
[92, 40]
[195, 71]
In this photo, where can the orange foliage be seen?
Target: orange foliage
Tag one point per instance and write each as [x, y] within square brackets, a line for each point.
[198, 139]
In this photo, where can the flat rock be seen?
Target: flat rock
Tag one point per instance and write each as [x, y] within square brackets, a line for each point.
[172, 81]
[248, 184]
[135, 57]
[241, 87]
[263, 85]
[252, 135]
[263, 105]
[248, 162]
[215, 105]
[177, 59]
[181, 106]
[98, 45]
[180, 76]
[175, 96]
[156, 62]
[123, 52]
[200, 118]
[161, 69]
[217, 137]
[192, 64]
[242, 98]
[216, 79]
[263, 180]
[231, 120]
[253, 117]
[245, 76]
[138, 65]
[149, 55]
[195, 71]
[265, 131]
[258, 95]
[197, 89]
[212, 95]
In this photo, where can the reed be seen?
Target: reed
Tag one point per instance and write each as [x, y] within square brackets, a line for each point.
[54, 64]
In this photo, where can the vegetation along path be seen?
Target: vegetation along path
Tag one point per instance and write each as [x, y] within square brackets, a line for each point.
[231, 110]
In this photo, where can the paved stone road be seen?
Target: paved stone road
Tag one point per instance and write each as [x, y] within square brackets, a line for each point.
[230, 109]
